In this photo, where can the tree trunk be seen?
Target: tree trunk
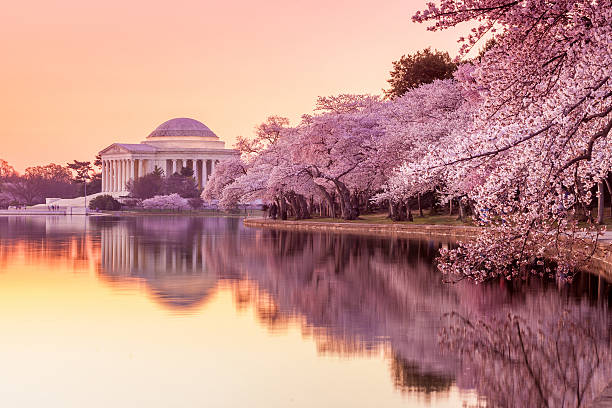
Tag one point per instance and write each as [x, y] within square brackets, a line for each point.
[282, 208]
[419, 204]
[329, 199]
[600, 204]
[450, 207]
[304, 204]
[461, 211]
[347, 205]
[398, 211]
[609, 192]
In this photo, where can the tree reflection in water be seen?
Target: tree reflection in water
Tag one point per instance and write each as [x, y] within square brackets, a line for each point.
[544, 354]
[366, 295]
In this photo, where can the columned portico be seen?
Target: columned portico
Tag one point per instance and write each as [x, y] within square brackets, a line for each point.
[175, 144]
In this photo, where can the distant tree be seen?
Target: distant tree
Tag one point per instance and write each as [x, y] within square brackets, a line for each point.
[421, 68]
[40, 182]
[158, 171]
[147, 186]
[185, 186]
[186, 172]
[82, 170]
[98, 161]
[95, 184]
[6, 200]
[6, 170]
[104, 202]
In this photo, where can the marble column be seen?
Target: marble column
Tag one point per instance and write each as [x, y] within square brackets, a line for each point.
[197, 172]
[125, 174]
[103, 176]
[204, 173]
[121, 174]
[106, 173]
[113, 183]
[122, 178]
[118, 178]
[115, 175]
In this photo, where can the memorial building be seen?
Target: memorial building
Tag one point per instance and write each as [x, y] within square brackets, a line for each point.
[177, 143]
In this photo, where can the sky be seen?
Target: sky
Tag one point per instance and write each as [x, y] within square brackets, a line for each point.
[77, 76]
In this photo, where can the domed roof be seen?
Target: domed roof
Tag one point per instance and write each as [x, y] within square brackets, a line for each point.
[182, 127]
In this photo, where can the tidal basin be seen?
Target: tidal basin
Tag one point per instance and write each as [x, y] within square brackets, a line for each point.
[203, 311]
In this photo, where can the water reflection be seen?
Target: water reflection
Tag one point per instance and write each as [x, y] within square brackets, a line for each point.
[355, 296]
[169, 255]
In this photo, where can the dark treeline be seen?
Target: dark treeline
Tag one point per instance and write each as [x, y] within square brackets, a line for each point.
[52, 180]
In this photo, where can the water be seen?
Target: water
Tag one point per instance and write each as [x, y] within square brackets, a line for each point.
[182, 312]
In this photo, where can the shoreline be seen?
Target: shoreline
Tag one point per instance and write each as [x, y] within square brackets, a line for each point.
[600, 264]
[443, 232]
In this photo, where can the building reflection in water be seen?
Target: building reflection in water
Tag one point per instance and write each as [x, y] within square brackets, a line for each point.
[168, 254]
[359, 296]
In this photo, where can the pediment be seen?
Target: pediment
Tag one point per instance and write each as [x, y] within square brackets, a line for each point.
[114, 149]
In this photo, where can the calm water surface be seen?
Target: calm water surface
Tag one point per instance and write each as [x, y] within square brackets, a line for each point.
[182, 312]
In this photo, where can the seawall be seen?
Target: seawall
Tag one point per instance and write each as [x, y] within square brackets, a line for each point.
[452, 232]
[600, 264]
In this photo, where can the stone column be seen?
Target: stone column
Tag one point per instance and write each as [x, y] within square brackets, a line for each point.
[113, 168]
[103, 168]
[122, 182]
[125, 174]
[197, 172]
[121, 174]
[115, 175]
[118, 187]
[198, 167]
[204, 173]
[106, 169]
[174, 166]
[132, 170]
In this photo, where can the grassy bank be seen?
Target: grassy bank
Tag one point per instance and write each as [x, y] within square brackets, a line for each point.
[382, 218]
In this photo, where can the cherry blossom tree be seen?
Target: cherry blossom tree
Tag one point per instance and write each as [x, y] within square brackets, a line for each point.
[417, 126]
[166, 202]
[224, 173]
[336, 146]
[539, 142]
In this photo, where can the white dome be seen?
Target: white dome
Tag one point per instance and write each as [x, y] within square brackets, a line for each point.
[181, 127]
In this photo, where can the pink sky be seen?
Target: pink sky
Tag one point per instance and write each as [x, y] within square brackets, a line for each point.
[77, 76]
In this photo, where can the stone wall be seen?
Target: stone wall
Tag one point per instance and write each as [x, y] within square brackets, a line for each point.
[601, 261]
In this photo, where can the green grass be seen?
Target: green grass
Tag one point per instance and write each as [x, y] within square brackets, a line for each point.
[381, 218]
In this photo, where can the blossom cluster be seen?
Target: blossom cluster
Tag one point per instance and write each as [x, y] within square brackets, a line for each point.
[166, 202]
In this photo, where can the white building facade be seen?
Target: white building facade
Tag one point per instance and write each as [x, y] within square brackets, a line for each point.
[177, 143]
